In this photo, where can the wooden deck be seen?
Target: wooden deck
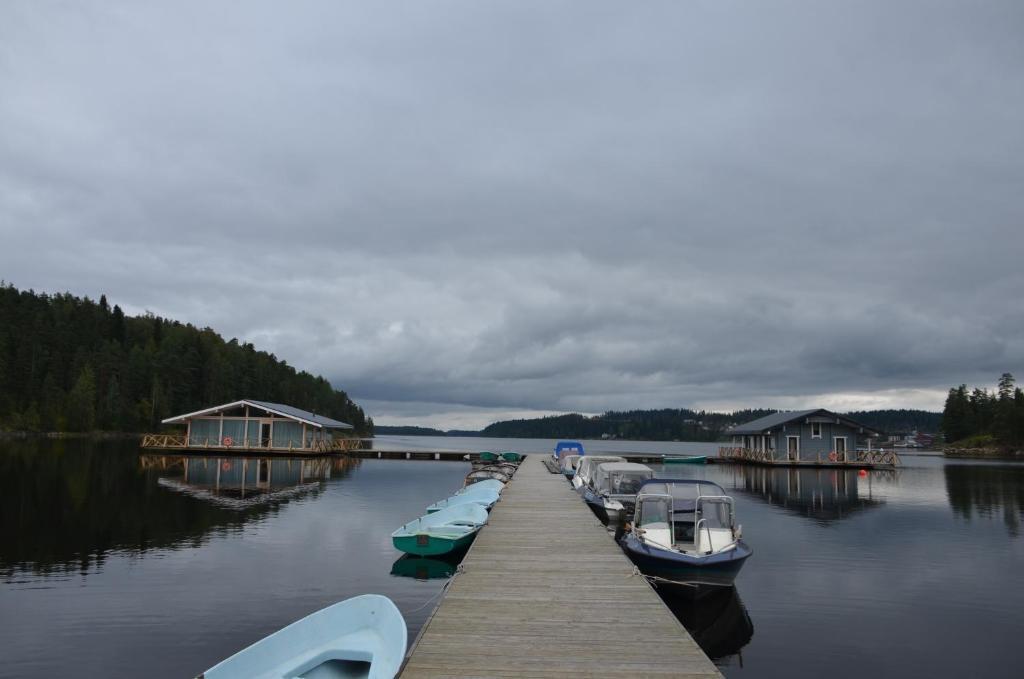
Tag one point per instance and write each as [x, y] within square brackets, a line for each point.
[546, 592]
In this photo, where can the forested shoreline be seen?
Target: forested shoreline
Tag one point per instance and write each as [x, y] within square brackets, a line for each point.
[682, 424]
[981, 418]
[71, 364]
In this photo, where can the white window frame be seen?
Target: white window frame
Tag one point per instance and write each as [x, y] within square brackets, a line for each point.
[813, 425]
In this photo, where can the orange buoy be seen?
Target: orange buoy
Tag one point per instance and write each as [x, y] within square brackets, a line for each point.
[862, 473]
[228, 441]
[832, 457]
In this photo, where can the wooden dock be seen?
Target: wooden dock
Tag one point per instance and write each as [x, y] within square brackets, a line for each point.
[546, 592]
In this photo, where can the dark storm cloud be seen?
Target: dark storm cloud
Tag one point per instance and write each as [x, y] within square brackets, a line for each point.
[536, 206]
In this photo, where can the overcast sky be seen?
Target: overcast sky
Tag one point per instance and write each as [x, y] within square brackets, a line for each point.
[463, 211]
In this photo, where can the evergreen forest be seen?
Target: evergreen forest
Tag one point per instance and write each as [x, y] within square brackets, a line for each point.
[682, 424]
[71, 364]
[980, 417]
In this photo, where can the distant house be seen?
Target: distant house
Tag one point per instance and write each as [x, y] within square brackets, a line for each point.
[249, 425]
[803, 436]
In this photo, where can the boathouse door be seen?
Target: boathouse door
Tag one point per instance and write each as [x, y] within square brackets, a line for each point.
[793, 447]
[265, 434]
[840, 447]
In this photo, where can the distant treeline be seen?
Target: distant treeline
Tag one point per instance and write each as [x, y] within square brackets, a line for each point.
[409, 430]
[72, 364]
[682, 424]
[980, 417]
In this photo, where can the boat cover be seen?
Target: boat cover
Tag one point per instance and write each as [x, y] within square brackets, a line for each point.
[621, 478]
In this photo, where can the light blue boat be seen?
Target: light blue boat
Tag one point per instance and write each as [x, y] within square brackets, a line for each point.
[485, 497]
[487, 484]
[364, 636]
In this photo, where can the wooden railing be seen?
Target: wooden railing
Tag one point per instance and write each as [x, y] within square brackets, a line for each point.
[164, 441]
[338, 445]
[888, 457]
[747, 454]
[879, 457]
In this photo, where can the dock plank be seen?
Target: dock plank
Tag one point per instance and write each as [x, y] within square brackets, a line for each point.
[546, 592]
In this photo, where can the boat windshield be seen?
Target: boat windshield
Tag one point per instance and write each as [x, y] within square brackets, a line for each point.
[653, 511]
[716, 512]
[627, 483]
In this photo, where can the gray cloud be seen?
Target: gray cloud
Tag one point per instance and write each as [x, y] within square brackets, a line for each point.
[522, 207]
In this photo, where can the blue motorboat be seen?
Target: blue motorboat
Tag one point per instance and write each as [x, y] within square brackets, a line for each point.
[685, 530]
[364, 636]
[567, 448]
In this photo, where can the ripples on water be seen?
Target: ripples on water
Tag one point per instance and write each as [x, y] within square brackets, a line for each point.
[129, 566]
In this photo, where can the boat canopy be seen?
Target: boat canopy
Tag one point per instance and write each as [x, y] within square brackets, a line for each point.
[568, 446]
[684, 492]
[586, 465]
[621, 478]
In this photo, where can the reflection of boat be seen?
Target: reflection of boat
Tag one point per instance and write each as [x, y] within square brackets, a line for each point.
[586, 466]
[485, 497]
[364, 636]
[685, 459]
[612, 492]
[448, 530]
[685, 530]
[718, 622]
[424, 568]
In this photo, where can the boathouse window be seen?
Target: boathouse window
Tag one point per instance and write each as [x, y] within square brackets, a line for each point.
[815, 430]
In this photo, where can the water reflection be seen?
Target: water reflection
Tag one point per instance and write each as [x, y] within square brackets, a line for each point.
[425, 568]
[240, 482]
[717, 620]
[66, 505]
[825, 495]
[984, 490]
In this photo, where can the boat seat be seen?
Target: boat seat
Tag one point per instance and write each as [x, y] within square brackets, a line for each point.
[658, 534]
[714, 540]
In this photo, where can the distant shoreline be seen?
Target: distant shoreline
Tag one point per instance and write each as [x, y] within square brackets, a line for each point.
[986, 453]
[69, 435]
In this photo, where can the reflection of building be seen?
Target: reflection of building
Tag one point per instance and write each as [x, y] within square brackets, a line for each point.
[801, 436]
[254, 425]
[243, 481]
[824, 494]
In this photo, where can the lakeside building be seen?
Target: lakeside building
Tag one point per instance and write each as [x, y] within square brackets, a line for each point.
[249, 425]
[811, 436]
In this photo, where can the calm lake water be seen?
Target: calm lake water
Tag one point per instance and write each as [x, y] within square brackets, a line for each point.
[119, 564]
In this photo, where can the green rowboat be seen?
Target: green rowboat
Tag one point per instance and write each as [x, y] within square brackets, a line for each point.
[443, 532]
[488, 456]
[689, 459]
[511, 456]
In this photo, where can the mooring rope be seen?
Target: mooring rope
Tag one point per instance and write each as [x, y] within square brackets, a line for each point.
[458, 569]
[654, 579]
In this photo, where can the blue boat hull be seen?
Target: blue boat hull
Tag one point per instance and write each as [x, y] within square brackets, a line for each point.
[715, 569]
